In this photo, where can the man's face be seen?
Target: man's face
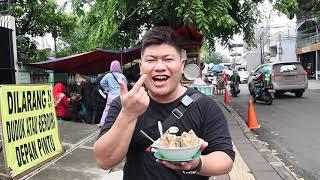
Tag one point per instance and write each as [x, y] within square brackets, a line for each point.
[164, 67]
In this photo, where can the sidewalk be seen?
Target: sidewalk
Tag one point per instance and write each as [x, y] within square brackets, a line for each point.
[314, 84]
[259, 159]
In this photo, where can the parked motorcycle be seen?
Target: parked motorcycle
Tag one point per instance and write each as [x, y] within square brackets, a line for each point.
[266, 95]
[234, 89]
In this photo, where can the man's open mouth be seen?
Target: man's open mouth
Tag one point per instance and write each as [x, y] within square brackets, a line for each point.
[160, 78]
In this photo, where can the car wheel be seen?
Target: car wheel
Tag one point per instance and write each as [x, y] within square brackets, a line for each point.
[299, 93]
[278, 94]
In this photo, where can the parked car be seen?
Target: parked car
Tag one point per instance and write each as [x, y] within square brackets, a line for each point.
[285, 77]
[244, 76]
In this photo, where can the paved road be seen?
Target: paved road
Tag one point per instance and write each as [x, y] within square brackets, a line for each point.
[291, 126]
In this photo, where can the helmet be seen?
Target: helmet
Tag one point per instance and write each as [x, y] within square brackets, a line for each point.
[235, 71]
[265, 70]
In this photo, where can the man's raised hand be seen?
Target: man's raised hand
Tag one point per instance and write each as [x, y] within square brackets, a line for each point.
[136, 101]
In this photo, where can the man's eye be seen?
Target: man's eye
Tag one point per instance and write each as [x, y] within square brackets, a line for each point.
[169, 59]
[150, 60]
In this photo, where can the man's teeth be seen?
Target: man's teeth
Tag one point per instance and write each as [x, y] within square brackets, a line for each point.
[161, 77]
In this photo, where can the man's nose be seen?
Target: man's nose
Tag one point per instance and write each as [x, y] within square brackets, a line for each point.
[159, 66]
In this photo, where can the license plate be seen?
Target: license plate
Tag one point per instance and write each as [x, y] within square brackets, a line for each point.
[290, 78]
[271, 90]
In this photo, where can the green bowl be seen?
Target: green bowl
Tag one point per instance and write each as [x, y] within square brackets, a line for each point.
[178, 154]
[158, 155]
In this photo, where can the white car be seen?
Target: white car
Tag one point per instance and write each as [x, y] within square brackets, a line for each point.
[244, 76]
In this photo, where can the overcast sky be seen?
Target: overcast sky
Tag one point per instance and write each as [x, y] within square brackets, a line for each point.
[277, 22]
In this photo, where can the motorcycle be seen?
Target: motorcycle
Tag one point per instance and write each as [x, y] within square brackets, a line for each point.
[266, 95]
[234, 89]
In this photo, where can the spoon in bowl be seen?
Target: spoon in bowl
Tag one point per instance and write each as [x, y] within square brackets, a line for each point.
[145, 135]
[160, 128]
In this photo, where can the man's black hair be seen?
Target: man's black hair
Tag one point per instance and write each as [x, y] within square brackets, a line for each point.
[161, 35]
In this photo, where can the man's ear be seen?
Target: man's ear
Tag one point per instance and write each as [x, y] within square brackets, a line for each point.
[140, 66]
[183, 64]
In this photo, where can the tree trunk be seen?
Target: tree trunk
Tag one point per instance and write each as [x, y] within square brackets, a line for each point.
[55, 44]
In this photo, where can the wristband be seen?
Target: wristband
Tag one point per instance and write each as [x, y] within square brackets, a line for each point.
[195, 170]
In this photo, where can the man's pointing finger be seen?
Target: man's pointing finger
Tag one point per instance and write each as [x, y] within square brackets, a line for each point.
[139, 83]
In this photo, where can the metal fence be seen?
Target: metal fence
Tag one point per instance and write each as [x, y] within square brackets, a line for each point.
[309, 40]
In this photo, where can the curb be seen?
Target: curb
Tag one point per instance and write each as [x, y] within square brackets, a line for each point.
[283, 171]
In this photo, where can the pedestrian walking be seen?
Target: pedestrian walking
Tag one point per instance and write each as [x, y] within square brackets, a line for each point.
[111, 84]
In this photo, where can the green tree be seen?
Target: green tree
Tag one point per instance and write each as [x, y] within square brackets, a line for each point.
[36, 18]
[304, 9]
[308, 8]
[210, 56]
[119, 23]
[288, 7]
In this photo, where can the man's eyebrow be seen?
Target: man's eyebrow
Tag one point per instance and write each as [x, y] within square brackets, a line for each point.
[150, 55]
[153, 56]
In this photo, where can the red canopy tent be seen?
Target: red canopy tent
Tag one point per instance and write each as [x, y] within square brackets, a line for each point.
[99, 61]
[93, 62]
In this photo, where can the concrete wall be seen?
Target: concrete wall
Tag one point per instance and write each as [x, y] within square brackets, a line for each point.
[283, 49]
[253, 60]
[288, 50]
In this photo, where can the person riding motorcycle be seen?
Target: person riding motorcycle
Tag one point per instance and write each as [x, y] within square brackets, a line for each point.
[234, 79]
[262, 80]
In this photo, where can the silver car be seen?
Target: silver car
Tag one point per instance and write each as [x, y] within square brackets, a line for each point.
[244, 75]
[285, 77]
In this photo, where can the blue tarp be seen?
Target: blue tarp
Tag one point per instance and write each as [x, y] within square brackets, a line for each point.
[217, 68]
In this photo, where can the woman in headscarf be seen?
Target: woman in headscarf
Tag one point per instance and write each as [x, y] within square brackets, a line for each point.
[110, 83]
[61, 102]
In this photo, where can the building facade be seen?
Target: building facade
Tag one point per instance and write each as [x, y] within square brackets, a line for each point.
[308, 46]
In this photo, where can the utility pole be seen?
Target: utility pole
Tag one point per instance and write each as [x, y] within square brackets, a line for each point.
[280, 48]
[261, 50]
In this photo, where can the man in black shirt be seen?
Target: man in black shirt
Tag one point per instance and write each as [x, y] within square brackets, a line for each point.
[140, 109]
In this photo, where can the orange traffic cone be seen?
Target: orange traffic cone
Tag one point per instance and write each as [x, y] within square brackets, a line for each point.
[252, 117]
[227, 99]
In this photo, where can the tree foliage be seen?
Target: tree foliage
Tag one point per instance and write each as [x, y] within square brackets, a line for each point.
[210, 55]
[287, 7]
[36, 18]
[308, 8]
[304, 9]
[119, 23]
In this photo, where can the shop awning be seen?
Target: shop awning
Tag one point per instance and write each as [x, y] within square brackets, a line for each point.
[93, 62]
